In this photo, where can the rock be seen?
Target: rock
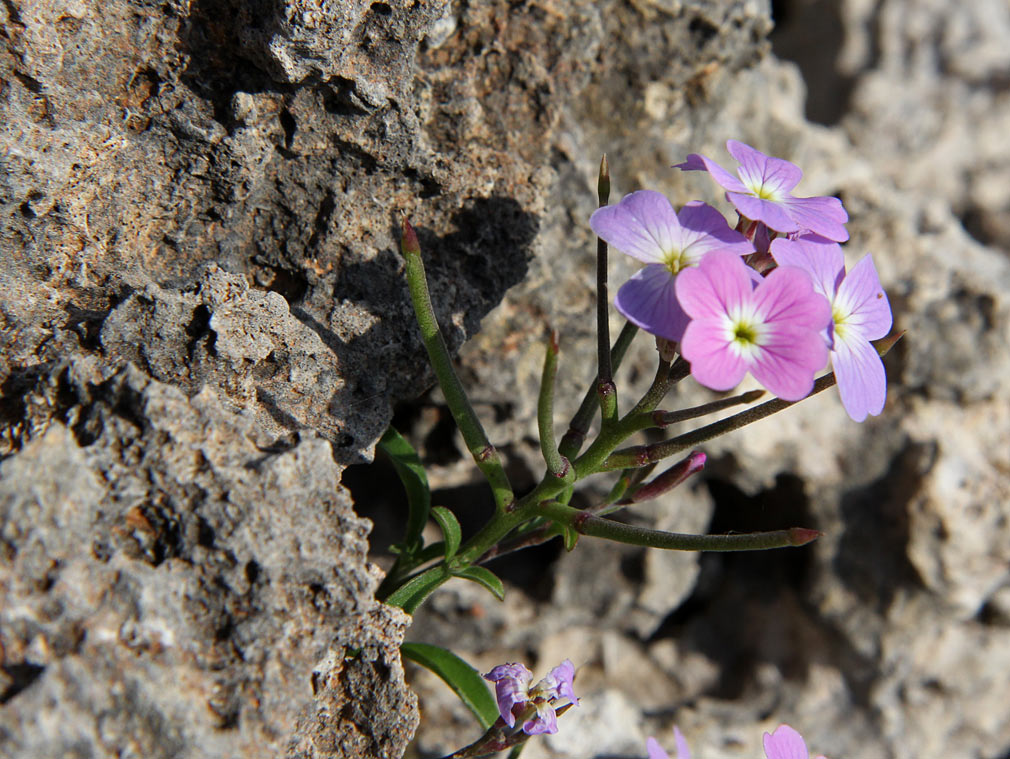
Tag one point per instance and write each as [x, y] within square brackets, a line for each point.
[150, 598]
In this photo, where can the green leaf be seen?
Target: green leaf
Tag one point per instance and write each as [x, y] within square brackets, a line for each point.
[415, 482]
[409, 596]
[570, 536]
[464, 680]
[484, 577]
[450, 529]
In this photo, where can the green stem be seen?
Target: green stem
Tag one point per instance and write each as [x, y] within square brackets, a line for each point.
[573, 439]
[587, 524]
[557, 464]
[484, 454]
[645, 454]
[661, 419]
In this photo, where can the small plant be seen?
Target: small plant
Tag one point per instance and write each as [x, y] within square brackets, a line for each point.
[768, 296]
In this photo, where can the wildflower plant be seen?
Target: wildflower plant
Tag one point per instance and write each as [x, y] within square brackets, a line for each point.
[767, 296]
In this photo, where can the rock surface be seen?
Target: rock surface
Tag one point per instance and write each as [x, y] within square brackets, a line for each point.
[204, 321]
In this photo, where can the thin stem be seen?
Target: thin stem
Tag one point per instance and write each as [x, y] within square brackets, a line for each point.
[557, 464]
[573, 439]
[602, 301]
[484, 454]
[587, 524]
[661, 419]
[645, 454]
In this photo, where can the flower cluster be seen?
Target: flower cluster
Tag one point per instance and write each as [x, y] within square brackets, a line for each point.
[784, 743]
[770, 297]
[533, 706]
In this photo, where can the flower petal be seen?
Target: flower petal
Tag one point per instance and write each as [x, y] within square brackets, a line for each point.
[785, 743]
[823, 216]
[771, 213]
[862, 302]
[511, 683]
[819, 257]
[862, 382]
[787, 296]
[559, 682]
[643, 225]
[787, 361]
[714, 363]
[655, 750]
[683, 752]
[720, 284]
[703, 229]
[545, 721]
[759, 171]
[697, 162]
[649, 300]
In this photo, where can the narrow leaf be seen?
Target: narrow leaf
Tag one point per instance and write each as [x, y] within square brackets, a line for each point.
[450, 529]
[484, 577]
[415, 482]
[464, 680]
[409, 596]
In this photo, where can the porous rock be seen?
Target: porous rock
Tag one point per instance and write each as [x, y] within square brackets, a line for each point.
[151, 604]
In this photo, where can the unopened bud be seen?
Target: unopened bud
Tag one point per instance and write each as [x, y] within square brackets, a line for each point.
[603, 184]
[409, 245]
[670, 479]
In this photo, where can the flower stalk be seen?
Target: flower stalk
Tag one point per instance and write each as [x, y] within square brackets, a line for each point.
[484, 454]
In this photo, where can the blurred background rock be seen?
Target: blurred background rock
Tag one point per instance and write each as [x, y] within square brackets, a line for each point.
[205, 322]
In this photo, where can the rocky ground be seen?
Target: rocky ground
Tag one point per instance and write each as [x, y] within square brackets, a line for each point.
[206, 328]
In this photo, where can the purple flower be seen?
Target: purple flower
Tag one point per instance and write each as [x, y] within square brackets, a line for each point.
[762, 193]
[656, 751]
[644, 226]
[860, 313]
[533, 706]
[771, 329]
[786, 743]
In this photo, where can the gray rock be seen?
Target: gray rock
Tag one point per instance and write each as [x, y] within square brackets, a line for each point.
[151, 600]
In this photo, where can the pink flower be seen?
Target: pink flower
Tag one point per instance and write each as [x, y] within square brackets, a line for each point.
[860, 313]
[656, 751]
[761, 192]
[771, 330]
[533, 706]
[644, 226]
[786, 743]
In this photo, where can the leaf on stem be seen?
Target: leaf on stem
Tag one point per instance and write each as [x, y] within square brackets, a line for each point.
[484, 577]
[464, 680]
[411, 473]
[451, 532]
[410, 595]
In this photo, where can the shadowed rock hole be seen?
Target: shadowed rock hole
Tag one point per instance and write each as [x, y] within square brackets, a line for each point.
[736, 591]
[21, 675]
[199, 329]
[289, 125]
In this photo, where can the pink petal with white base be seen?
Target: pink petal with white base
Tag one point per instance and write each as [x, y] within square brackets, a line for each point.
[720, 283]
[714, 363]
[788, 360]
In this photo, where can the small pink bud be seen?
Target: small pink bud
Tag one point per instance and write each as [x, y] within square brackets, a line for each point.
[408, 240]
[671, 478]
[800, 536]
